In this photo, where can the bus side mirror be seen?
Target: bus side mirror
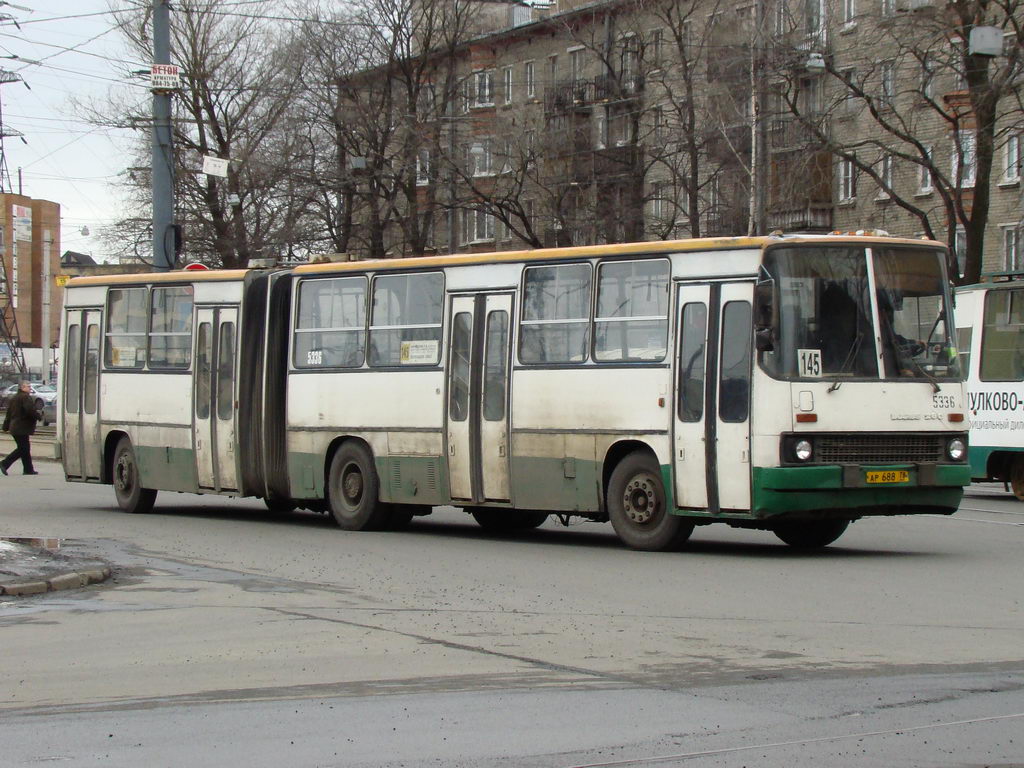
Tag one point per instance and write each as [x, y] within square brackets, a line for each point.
[764, 308]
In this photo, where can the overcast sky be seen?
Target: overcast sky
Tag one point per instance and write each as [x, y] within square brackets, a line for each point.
[65, 49]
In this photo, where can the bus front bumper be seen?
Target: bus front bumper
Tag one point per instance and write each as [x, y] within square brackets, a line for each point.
[935, 488]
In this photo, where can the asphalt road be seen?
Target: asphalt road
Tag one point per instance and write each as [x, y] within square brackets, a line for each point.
[230, 636]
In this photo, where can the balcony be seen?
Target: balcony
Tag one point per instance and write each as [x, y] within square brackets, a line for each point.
[618, 161]
[812, 217]
[795, 133]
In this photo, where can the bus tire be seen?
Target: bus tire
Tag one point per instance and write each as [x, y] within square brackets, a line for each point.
[810, 534]
[1017, 477]
[131, 496]
[638, 506]
[280, 506]
[353, 491]
[507, 519]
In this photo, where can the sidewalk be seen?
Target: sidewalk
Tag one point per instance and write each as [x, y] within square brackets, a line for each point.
[32, 566]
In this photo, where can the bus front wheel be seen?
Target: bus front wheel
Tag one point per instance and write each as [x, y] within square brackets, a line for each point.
[638, 506]
[1017, 477]
[131, 496]
[353, 491]
[811, 534]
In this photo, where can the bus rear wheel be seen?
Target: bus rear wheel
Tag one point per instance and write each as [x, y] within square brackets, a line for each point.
[811, 534]
[131, 496]
[508, 519]
[353, 491]
[638, 506]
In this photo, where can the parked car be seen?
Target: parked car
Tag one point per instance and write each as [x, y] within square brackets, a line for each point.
[44, 395]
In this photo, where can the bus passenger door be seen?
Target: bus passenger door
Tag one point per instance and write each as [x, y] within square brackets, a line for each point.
[691, 456]
[214, 397]
[734, 396]
[477, 405]
[80, 418]
[712, 423]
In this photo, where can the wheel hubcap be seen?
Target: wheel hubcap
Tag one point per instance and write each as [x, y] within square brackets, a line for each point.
[123, 474]
[640, 500]
[352, 485]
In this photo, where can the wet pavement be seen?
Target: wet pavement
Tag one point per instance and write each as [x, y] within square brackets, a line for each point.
[33, 565]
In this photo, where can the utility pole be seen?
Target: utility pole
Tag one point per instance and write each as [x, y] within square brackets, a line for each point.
[758, 156]
[164, 236]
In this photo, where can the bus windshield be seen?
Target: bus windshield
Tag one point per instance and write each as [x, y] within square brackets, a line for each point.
[825, 303]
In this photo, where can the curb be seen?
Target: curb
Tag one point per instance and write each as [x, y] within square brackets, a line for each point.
[70, 580]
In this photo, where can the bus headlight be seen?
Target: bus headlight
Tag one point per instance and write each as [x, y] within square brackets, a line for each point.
[956, 450]
[802, 450]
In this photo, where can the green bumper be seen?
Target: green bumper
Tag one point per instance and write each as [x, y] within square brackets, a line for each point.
[795, 490]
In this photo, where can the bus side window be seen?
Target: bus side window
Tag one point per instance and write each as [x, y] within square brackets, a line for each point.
[73, 373]
[92, 366]
[226, 372]
[204, 354]
[734, 383]
[691, 362]
[1003, 336]
[495, 365]
[405, 319]
[555, 321]
[963, 346]
[458, 397]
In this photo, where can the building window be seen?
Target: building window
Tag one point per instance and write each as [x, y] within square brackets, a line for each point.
[481, 158]
[484, 89]
[849, 11]
[850, 100]
[928, 77]
[506, 75]
[658, 202]
[847, 180]
[531, 148]
[888, 83]
[656, 51]
[960, 250]
[1012, 158]
[813, 16]
[888, 7]
[886, 174]
[423, 167]
[530, 78]
[965, 165]
[924, 172]
[552, 69]
[466, 96]
[482, 225]
[577, 65]
[658, 123]
[600, 129]
[1011, 249]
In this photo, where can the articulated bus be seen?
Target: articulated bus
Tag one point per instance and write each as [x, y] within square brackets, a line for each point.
[765, 383]
[990, 330]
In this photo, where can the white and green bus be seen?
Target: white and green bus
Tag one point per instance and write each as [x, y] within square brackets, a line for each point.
[990, 329]
[761, 382]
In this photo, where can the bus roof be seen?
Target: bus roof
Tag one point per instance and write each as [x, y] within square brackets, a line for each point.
[587, 251]
[176, 276]
[498, 257]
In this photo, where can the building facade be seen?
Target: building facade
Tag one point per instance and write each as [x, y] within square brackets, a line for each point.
[622, 121]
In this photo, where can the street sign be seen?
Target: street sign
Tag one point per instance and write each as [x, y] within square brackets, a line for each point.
[195, 266]
[214, 166]
[62, 280]
[164, 77]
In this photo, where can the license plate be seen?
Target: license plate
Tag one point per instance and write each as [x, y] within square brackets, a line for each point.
[889, 476]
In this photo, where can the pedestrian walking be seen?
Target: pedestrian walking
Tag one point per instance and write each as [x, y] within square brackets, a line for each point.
[21, 422]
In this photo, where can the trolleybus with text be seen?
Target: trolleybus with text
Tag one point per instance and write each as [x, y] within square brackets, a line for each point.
[760, 382]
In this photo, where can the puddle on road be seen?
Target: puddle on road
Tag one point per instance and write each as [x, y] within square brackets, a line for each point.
[33, 541]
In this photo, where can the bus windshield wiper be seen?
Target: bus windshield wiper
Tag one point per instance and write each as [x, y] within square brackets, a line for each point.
[848, 362]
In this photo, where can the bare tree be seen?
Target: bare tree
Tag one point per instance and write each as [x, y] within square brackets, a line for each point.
[911, 78]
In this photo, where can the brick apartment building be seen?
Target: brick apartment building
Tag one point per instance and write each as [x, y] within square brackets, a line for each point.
[617, 121]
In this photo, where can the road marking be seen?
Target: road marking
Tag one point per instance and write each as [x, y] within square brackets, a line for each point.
[819, 740]
[963, 519]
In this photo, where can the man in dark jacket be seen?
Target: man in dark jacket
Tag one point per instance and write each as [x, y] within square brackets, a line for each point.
[21, 422]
